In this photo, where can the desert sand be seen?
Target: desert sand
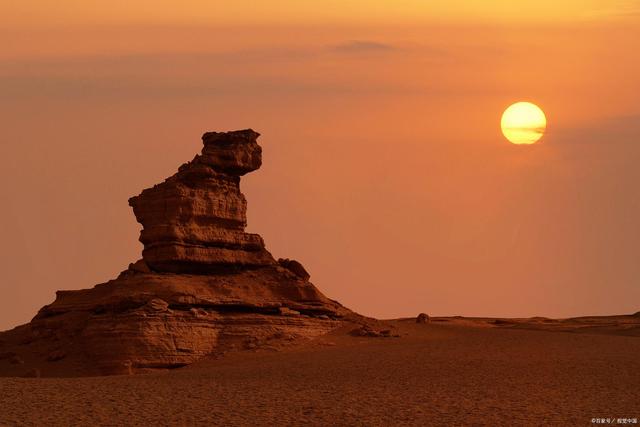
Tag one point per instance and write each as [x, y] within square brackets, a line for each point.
[450, 371]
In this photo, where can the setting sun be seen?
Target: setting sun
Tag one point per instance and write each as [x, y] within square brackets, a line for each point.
[523, 123]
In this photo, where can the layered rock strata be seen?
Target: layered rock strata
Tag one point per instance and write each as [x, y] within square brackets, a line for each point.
[194, 221]
[203, 286]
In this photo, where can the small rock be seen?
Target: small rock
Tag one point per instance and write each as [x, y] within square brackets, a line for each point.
[128, 367]
[139, 267]
[364, 331]
[369, 331]
[295, 267]
[324, 317]
[422, 318]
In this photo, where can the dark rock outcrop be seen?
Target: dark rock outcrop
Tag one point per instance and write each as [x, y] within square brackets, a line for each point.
[422, 318]
[203, 286]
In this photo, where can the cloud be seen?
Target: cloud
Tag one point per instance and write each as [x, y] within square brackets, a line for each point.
[362, 46]
[265, 71]
[621, 129]
[619, 8]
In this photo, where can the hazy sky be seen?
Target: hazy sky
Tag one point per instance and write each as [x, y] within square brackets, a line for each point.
[385, 172]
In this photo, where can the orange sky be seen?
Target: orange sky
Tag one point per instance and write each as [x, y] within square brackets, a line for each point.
[74, 12]
[385, 172]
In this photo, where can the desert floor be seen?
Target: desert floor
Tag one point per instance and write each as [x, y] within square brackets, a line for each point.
[452, 371]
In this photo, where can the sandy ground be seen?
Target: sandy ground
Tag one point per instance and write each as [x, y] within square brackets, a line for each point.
[450, 372]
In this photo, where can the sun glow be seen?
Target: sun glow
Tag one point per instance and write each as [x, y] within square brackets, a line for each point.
[523, 123]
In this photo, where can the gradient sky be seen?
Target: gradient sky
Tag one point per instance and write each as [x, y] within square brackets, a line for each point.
[385, 172]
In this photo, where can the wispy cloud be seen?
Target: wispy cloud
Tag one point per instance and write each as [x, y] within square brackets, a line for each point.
[621, 129]
[363, 46]
[617, 8]
[630, 7]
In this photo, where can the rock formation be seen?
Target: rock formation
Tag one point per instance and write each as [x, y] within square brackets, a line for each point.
[203, 286]
[422, 318]
[194, 221]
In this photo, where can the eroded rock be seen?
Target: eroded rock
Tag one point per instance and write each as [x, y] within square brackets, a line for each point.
[295, 267]
[194, 221]
[203, 287]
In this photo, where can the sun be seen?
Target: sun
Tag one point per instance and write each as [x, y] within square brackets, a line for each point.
[523, 123]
